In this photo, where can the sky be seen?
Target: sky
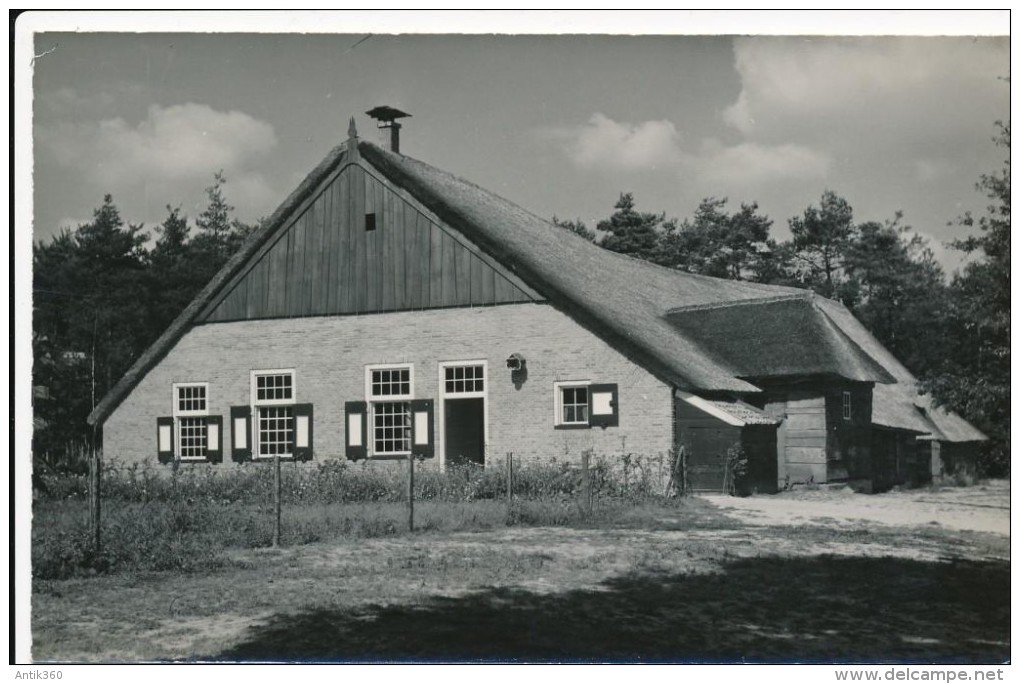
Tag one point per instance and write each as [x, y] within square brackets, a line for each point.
[558, 124]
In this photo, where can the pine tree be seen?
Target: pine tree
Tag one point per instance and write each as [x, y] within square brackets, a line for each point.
[632, 232]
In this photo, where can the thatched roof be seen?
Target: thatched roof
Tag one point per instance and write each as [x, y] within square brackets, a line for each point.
[900, 405]
[629, 303]
[776, 338]
[622, 299]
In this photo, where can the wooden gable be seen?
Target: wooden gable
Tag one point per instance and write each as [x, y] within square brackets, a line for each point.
[362, 245]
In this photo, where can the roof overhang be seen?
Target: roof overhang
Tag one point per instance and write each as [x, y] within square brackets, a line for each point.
[731, 411]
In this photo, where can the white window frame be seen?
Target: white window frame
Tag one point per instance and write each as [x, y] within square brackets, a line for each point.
[178, 414]
[444, 395]
[443, 365]
[847, 405]
[371, 401]
[256, 404]
[558, 388]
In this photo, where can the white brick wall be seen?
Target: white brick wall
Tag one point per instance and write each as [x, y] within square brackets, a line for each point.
[329, 355]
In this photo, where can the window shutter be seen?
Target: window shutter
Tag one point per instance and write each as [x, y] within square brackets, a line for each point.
[165, 439]
[422, 434]
[603, 405]
[214, 439]
[356, 429]
[302, 432]
[240, 433]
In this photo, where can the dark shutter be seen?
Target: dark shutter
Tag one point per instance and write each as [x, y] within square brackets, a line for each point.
[214, 439]
[422, 432]
[165, 439]
[356, 429]
[240, 433]
[603, 405]
[302, 432]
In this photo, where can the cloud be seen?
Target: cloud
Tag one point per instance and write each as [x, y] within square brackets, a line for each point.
[171, 143]
[170, 156]
[902, 89]
[607, 144]
[755, 164]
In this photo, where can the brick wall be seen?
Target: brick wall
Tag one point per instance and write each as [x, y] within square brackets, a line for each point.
[329, 355]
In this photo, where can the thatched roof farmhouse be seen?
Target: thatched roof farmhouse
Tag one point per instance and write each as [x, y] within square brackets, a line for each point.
[389, 308]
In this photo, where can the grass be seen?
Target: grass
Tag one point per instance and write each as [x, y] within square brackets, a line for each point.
[700, 593]
[184, 521]
[193, 536]
[187, 572]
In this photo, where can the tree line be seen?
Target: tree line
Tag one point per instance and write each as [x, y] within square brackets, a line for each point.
[102, 294]
[952, 333]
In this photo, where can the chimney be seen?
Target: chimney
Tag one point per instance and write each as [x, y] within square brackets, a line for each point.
[387, 118]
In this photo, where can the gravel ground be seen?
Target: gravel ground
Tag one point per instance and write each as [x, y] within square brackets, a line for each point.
[981, 508]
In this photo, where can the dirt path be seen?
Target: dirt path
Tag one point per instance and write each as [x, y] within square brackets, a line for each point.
[981, 508]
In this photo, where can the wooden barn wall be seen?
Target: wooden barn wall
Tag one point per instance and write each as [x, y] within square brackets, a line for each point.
[897, 458]
[326, 262]
[705, 439]
[848, 450]
[802, 438]
[759, 442]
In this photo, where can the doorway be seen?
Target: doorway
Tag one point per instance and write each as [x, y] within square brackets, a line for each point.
[465, 431]
[463, 413]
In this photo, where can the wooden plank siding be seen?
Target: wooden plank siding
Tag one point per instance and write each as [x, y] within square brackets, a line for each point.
[804, 437]
[324, 262]
[707, 441]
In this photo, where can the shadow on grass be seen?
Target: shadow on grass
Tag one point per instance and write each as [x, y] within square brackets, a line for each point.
[810, 609]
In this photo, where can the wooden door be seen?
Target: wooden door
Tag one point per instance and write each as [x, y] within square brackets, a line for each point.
[706, 457]
[464, 441]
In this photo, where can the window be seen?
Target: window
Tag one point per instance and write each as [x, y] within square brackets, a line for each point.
[389, 390]
[369, 222]
[846, 406]
[466, 379]
[191, 417]
[583, 404]
[273, 394]
[572, 404]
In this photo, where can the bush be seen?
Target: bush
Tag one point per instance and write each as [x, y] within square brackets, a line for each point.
[175, 537]
[183, 518]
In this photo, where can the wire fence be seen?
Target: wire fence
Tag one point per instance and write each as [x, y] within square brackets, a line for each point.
[181, 517]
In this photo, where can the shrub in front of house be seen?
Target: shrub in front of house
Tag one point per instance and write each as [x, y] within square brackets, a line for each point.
[339, 481]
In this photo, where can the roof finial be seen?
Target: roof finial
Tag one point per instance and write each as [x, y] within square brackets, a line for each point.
[352, 130]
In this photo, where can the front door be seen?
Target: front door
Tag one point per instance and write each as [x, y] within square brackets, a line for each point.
[464, 422]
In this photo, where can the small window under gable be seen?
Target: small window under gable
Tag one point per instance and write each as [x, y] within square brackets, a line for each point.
[847, 406]
[369, 222]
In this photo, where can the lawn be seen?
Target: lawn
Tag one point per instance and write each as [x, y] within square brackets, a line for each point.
[648, 583]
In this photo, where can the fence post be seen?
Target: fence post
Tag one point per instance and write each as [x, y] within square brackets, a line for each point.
[277, 504]
[410, 492]
[95, 483]
[585, 483]
[509, 482]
